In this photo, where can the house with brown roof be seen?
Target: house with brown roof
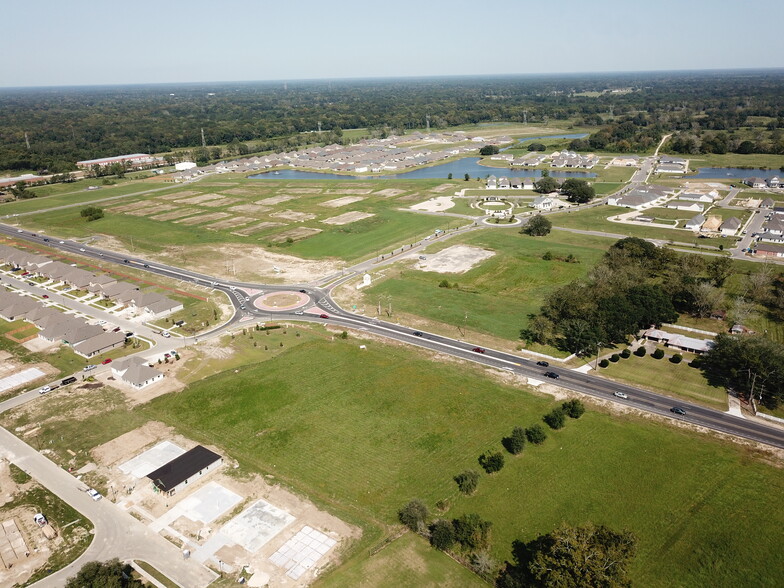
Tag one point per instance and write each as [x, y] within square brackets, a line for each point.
[100, 343]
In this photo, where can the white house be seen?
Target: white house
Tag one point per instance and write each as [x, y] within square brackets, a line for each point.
[184, 165]
[492, 183]
[543, 203]
[695, 223]
[690, 206]
[756, 182]
[730, 226]
[135, 371]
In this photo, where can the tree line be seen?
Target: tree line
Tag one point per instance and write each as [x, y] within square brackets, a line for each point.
[65, 125]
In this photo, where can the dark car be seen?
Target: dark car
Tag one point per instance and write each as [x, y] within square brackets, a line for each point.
[552, 375]
[543, 363]
[304, 291]
[323, 316]
[126, 261]
[418, 334]
[678, 410]
[478, 350]
[146, 265]
[46, 240]
[67, 381]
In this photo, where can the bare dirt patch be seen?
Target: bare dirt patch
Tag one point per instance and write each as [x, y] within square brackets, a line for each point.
[223, 201]
[435, 204]
[442, 188]
[457, 259]
[348, 217]
[253, 264]
[200, 199]
[131, 206]
[175, 214]
[257, 228]
[389, 192]
[126, 446]
[230, 223]
[250, 209]
[338, 202]
[202, 218]
[297, 234]
[272, 200]
[153, 209]
[305, 190]
[176, 195]
[349, 190]
[246, 191]
[294, 215]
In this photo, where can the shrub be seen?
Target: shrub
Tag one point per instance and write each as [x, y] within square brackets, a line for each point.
[677, 358]
[413, 515]
[442, 534]
[491, 462]
[555, 419]
[640, 351]
[615, 357]
[626, 353]
[515, 442]
[471, 531]
[467, 481]
[604, 363]
[574, 408]
[658, 354]
[535, 434]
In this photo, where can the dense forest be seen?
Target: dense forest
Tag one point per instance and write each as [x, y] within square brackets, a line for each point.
[52, 128]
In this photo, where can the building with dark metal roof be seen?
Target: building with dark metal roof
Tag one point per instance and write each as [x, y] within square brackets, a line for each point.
[184, 469]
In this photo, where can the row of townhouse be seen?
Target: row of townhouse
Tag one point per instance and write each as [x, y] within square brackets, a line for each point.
[56, 327]
[572, 159]
[756, 182]
[105, 285]
[672, 165]
[504, 183]
[645, 196]
[772, 230]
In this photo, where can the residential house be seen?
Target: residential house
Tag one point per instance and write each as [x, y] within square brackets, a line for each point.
[626, 160]
[769, 250]
[492, 182]
[672, 165]
[99, 344]
[17, 309]
[503, 183]
[695, 197]
[767, 203]
[634, 199]
[695, 223]
[136, 372]
[756, 182]
[680, 342]
[689, 206]
[774, 182]
[730, 226]
[543, 203]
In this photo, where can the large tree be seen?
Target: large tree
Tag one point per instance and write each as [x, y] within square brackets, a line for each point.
[545, 185]
[538, 226]
[110, 574]
[575, 557]
[578, 191]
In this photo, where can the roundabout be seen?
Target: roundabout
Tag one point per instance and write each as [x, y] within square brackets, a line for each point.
[281, 301]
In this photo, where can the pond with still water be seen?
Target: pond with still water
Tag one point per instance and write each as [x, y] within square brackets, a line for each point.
[734, 172]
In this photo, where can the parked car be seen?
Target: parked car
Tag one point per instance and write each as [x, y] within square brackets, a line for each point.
[478, 350]
[107, 360]
[620, 395]
[678, 410]
[166, 334]
[552, 375]
[129, 334]
[68, 380]
[94, 494]
[323, 316]
[543, 363]
[87, 368]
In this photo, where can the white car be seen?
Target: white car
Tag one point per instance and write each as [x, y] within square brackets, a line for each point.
[87, 368]
[81, 249]
[166, 334]
[44, 390]
[61, 242]
[100, 323]
[620, 395]
[298, 312]
[94, 494]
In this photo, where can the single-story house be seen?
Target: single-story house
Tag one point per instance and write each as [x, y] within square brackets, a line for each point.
[136, 372]
[680, 342]
[689, 206]
[769, 250]
[695, 223]
[755, 182]
[188, 467]
[730, 226]
[100, 344]
[543, 203]
[767, 203]
[492, 182]
[695, 197]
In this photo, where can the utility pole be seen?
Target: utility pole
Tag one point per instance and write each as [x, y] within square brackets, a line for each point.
[596, 365]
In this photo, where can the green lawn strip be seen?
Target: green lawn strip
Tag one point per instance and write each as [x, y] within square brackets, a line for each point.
[379, 234]
[75, 538]
[661, 375]
[498, 294]
[595, 219]
[604, 188]
[159, 576]
[691, 502]
[406, 561]
[83, 197]
[754, 160]
[405, 426]
[669, 214]
[616, 174]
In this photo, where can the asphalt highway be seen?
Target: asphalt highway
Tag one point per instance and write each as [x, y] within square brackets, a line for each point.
[322, 303]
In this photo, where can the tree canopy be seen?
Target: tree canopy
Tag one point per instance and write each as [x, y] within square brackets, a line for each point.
[110, 574]
[538, 226]
[578, 191]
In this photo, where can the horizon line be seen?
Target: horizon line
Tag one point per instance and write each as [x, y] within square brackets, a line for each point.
[402, 77]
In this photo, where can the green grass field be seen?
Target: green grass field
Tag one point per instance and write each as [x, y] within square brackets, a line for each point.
[499, 293]
[406, 426]
[661, 375]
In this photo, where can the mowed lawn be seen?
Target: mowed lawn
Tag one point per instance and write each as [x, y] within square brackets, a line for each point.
[363, 432]
[661, 375]
[407, 561]
[498, 294]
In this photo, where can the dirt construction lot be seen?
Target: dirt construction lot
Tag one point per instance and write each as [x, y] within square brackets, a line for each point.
[455, 260]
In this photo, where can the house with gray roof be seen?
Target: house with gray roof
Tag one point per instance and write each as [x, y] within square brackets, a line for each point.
[18, 309]
[100, 343]
[730, 226]
[695, 223]
[136, 372]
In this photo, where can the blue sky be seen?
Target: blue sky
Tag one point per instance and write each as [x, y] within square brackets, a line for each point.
[75, 42]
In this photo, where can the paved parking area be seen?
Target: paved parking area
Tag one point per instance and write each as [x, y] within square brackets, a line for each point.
[302, 551]
[151, 460]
